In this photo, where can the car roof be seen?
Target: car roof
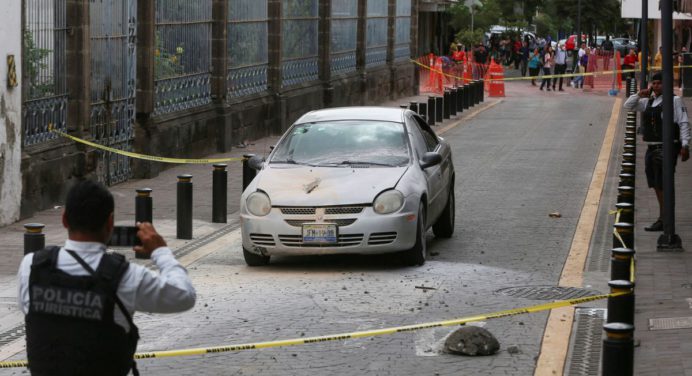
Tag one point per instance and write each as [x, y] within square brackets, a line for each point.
[354, 113]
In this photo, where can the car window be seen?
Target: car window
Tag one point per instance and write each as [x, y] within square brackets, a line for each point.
[343, 143]
[431, 140]
[417, 139]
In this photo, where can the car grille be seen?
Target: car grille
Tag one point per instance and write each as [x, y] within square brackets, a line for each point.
[334, 210]
[380, 238]
[343, 241]
[263, 239]
[338, 222]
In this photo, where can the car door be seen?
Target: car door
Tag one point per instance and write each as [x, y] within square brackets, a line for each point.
[428, 142]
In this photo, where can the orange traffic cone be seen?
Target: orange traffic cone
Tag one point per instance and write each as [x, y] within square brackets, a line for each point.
[496, 80]
[468, 71]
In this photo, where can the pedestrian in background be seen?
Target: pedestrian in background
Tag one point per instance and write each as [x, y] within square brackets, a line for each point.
[658, 59]
[629, 62]
[79, 300]
[650, 102]
[525, 54]
[560, 65]
[547, 64]
[534, 66]
[578, 82]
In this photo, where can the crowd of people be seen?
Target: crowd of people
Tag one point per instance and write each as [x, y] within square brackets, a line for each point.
[539, 56]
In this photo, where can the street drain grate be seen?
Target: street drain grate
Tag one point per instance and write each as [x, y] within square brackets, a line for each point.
[585, 357]
[11, 335]
[670, 323]
[547, 292]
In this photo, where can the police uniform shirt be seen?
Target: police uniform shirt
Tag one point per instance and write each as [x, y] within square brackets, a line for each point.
[634, 102]
[140, 289]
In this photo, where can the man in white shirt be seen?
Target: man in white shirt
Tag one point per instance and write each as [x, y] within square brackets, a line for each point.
[79, 300]
[560, 65]
[650, 102]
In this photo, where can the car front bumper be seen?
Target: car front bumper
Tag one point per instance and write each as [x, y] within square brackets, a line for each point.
[366, 232]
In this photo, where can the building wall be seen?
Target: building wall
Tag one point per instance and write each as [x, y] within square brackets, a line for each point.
[10, 114]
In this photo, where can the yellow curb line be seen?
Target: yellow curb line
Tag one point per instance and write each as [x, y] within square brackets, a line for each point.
[558, 329]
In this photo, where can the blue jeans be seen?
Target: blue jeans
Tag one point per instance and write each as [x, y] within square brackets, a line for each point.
[546, 72]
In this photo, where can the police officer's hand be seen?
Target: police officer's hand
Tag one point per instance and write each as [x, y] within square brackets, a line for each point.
[150, 239]
[644, 93]
[685, 154]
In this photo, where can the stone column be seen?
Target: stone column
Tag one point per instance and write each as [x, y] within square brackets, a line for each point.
[391, 39]
[415, 7]
[11, 112]
[146, 48]
[78, 56]
[360, 50]
[219, 83]
[219, 50]
[324, 46]
[274, 59]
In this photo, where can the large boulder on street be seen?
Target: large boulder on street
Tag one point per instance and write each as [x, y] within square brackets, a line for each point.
[472, 341]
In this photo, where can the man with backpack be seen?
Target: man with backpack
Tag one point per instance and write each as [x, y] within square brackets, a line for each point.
[79, 299]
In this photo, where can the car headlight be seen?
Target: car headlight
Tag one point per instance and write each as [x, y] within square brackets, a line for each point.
[388, 202]
[258, 204]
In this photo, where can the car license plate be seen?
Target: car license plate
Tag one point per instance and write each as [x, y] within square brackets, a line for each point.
[322, 233]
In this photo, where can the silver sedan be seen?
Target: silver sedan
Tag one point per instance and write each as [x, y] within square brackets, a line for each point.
[352, 180]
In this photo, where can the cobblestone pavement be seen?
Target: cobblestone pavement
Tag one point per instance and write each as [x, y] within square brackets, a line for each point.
[516, 163]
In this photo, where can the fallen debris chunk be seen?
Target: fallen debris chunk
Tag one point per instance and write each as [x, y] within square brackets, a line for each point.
[555, 215]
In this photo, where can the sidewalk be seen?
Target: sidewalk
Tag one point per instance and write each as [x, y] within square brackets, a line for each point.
[663, 280]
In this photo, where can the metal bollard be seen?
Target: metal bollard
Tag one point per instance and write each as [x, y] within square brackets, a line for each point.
[404, 106]
[472, 95]
[628, 168]
[630, 141]
[626, 194]
[453, 101]
[249, 173]
[481, 90]
[431, 110]
[628, 157]
[423, 110]
[144, 206]
[460, 99]
[446, 104]
[625, 212]
[626, 180]
[184, 213]
[630, 149]
[620, 263]
[438, 109]
[34, 238]
[618, 350]
[465, 97]
[413, 106]
[621, 308]
[219, 193]
[628, 87]
[624, 231]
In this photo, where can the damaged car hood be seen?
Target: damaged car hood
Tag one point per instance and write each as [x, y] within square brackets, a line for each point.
[324, 186]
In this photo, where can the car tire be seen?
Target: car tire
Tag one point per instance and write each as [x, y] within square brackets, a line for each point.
[253, 259]
[444, 227]
[419, 252]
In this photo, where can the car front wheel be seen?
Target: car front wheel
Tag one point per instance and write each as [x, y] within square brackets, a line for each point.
[444, 227]
[253, 259]
[419, 252]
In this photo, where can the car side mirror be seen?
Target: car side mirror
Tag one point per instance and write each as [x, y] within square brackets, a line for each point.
[430, 159]
[256, 163]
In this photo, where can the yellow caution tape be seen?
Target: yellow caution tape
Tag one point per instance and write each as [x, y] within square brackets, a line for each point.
[142, 156]
[566, 75]
[632, 269]
[361, 334]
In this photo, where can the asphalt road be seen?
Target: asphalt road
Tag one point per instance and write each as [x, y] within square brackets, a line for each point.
[515, 163]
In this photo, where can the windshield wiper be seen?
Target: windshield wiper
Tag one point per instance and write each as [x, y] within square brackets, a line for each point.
[366, 163]
[287, 161]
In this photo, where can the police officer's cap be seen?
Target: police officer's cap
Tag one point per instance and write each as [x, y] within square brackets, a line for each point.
[657, 77]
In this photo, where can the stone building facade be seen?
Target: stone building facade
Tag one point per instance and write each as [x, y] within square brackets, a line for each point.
[186, 78]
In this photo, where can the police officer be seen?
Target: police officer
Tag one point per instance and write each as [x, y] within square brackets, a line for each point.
[79, 300]
[650, 102]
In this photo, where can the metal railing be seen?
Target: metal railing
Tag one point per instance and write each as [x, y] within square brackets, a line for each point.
[344, 30]
[299, 37]
[376, 34]
[248, 51]
[402, 34]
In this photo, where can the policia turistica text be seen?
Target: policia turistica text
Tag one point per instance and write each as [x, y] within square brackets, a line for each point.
[650, 102]
[79, 300]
